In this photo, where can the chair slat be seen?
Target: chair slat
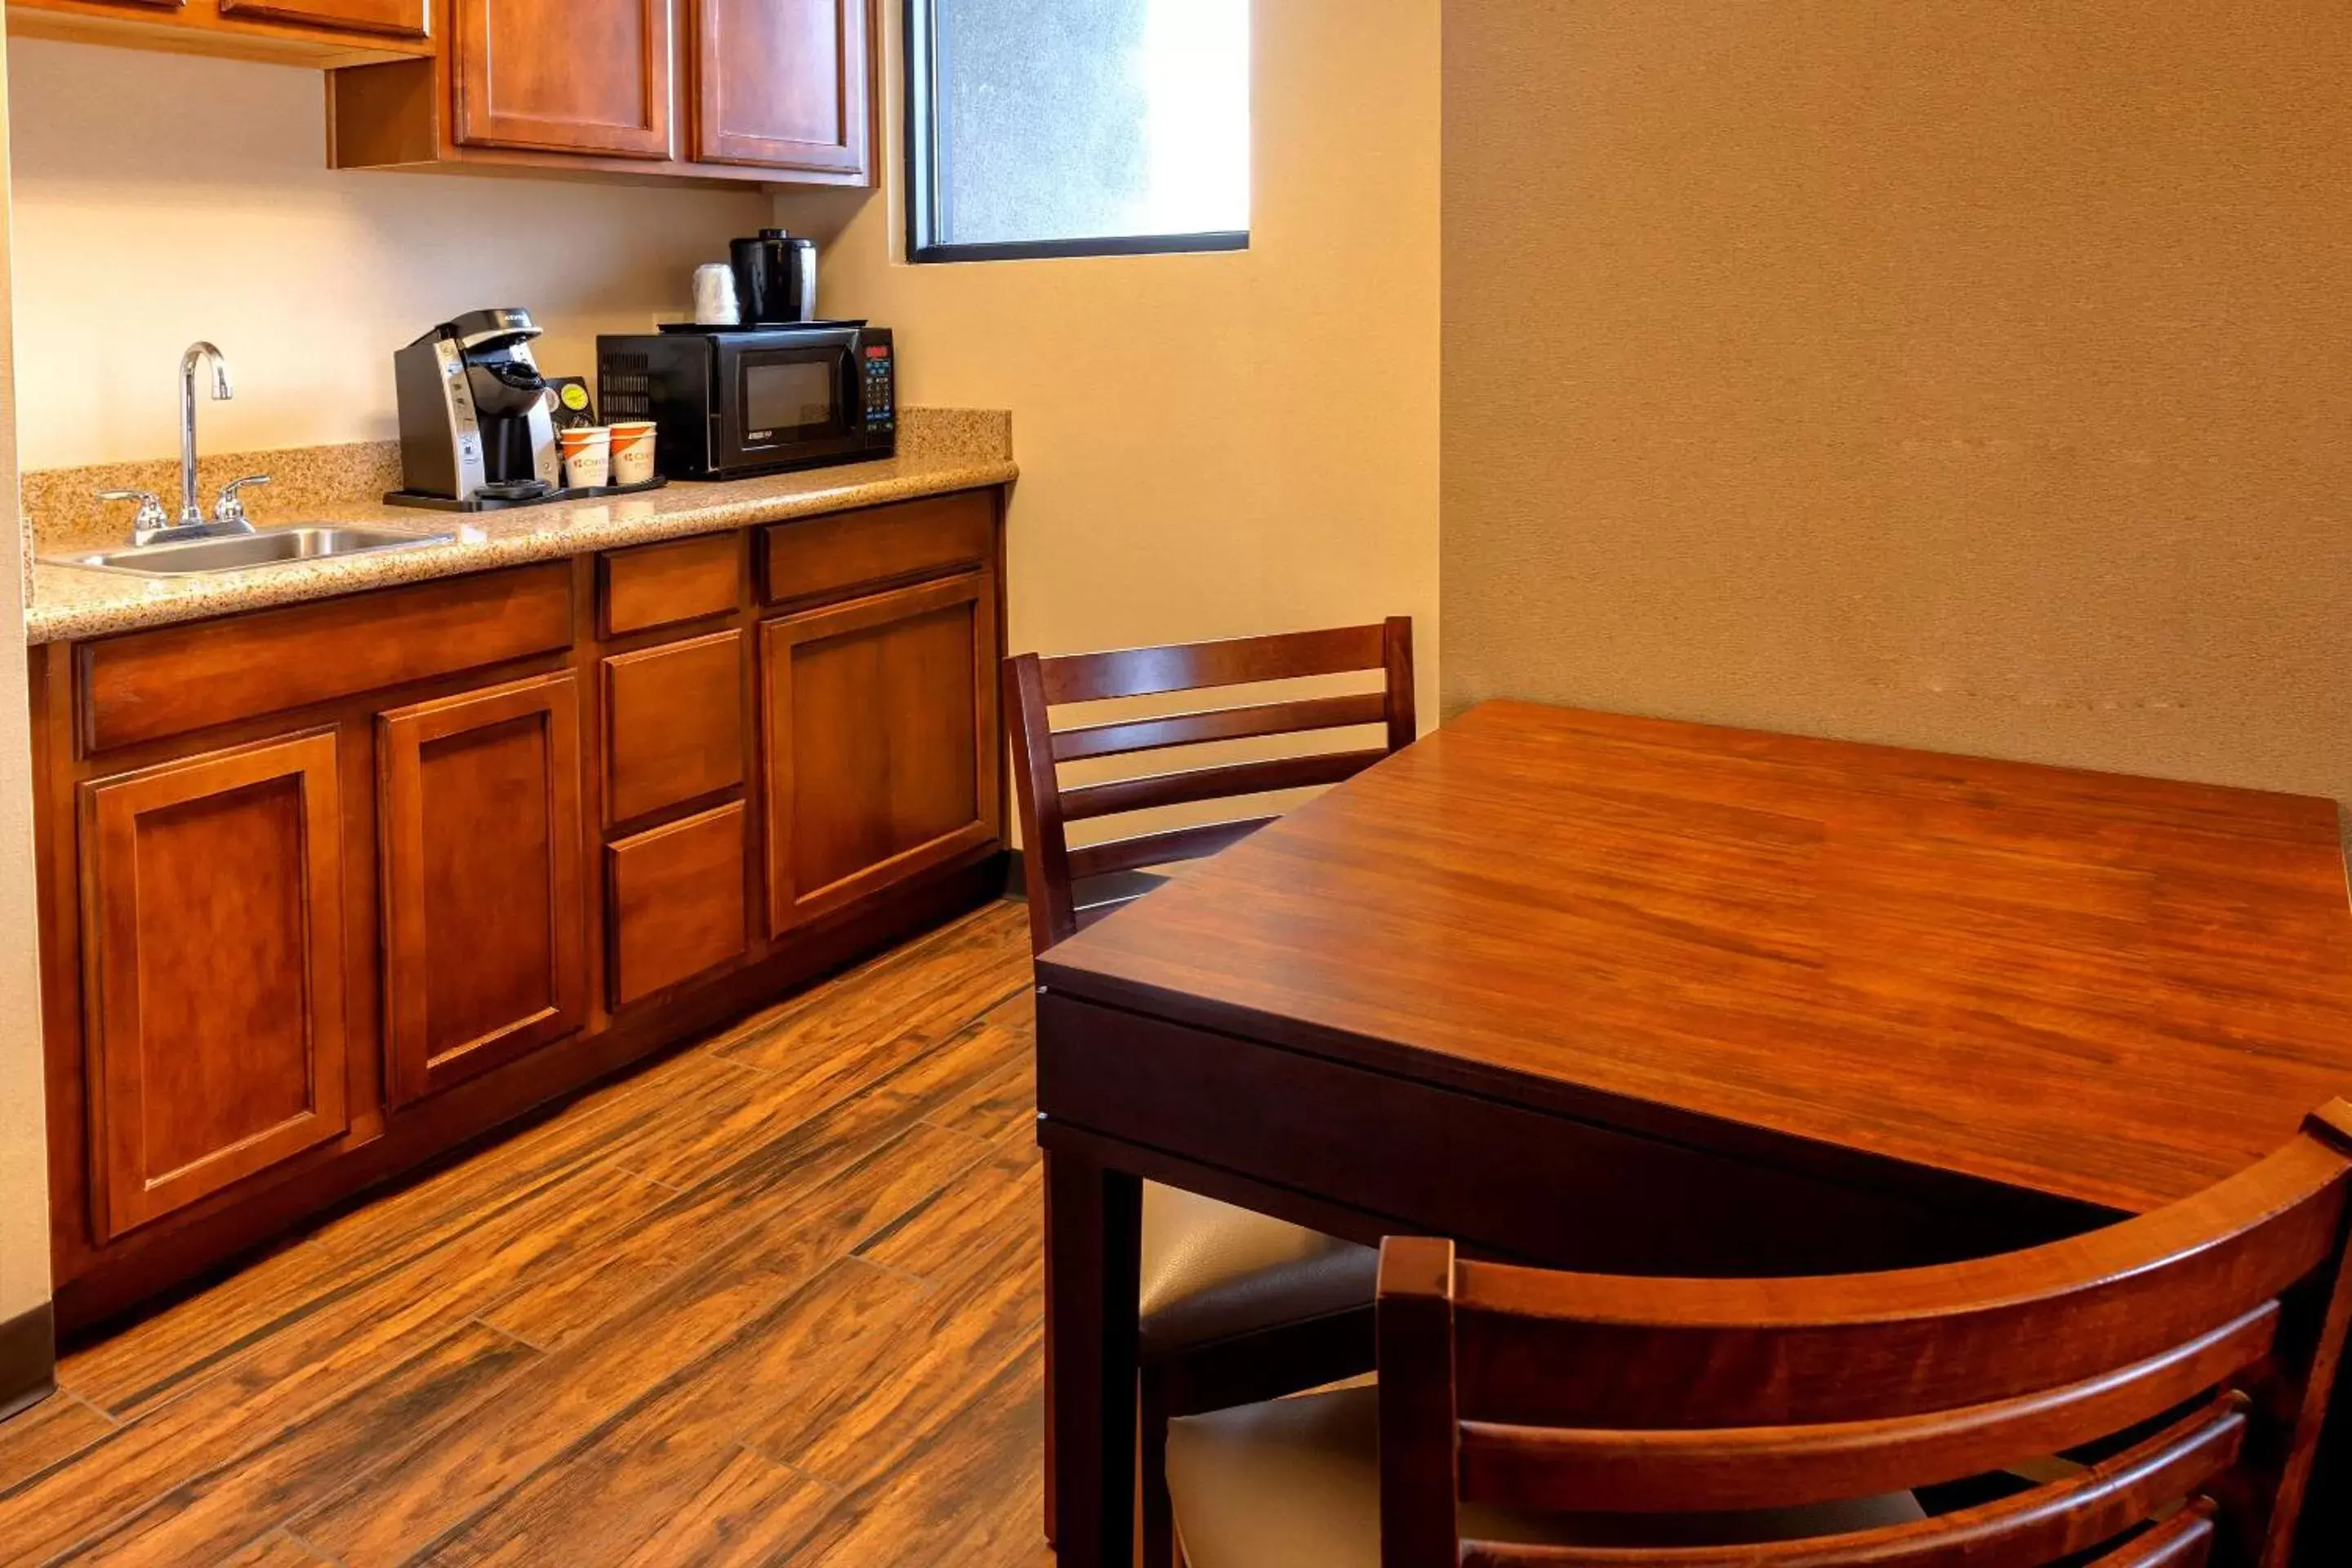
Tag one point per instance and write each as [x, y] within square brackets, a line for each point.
[2184, 1541]
[1160, 848]
[1194, 667]
[2028, 1530]
[1760, 1353]
[1219, 724]
[1713, 1469]
[1213, 784]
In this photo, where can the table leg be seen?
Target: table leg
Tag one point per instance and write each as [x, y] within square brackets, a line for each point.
[1095, 1229]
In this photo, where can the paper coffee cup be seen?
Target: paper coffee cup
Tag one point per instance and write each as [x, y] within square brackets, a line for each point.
[587, 457]
[632, 451]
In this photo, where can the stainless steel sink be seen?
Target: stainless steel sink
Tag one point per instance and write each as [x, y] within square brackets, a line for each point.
[243, 552]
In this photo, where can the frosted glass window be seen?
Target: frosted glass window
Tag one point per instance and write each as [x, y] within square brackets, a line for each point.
[1077, 127]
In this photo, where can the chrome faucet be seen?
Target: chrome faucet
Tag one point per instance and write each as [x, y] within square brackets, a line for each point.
[153, 525]
[191, 515]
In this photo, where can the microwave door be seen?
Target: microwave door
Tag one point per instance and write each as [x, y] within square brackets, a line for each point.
[783, 405]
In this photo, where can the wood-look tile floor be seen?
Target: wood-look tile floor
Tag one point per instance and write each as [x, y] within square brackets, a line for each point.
[776, 1298]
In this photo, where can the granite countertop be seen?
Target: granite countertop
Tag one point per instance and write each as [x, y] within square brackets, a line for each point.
[939, 450]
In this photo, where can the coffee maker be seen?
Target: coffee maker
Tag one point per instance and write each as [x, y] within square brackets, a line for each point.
[477, 431]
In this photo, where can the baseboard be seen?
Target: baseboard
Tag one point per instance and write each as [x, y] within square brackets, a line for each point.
[28, 1359]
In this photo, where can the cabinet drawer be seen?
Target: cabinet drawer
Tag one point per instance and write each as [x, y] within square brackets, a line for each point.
[664, 584]
[148, 685]
[828, 557]
[676, 902]
[673, 724]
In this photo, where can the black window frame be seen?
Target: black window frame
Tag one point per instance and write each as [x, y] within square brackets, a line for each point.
[922, 153]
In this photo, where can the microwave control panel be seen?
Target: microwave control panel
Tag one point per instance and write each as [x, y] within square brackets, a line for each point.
[881, 384]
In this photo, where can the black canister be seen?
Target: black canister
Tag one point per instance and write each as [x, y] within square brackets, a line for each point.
[775, 278]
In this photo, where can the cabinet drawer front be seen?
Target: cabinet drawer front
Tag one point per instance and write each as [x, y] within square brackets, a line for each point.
[881, 750]
[676, 907]
[673, 724]
[485, 922]
[145, 685]
[664, 584]
[212, 911]
[856, 552]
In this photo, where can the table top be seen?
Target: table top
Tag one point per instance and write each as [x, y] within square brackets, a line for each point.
[2114, 990]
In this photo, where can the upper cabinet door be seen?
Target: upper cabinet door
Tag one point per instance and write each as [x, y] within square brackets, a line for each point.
[397, 18]
[564, 76]
[484, 917]
[782, 84]
[212, 897]
[881, 734]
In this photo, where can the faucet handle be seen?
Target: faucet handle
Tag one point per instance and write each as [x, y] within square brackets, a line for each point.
[230, 508]
[151, 507]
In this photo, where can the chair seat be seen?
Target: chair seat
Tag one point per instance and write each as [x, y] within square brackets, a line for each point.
[1294, 1483]
[1211, 1271]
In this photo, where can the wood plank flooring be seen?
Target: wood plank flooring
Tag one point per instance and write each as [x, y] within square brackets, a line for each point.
[777, 1298]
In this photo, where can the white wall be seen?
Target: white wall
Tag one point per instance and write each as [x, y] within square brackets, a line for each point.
[1210, 445]
[24, 1158]
[163, 198]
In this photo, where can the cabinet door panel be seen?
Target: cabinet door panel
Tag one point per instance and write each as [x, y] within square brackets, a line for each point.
[213, 895]
[881, 725]
[485, 926]
[564, 76]
[400, 18]
[782, 84]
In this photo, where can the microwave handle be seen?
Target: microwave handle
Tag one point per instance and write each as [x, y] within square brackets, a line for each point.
[853, 386]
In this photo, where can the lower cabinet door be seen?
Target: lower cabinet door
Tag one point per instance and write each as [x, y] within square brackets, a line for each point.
[212, 897]
[484, 919]
[881, 742]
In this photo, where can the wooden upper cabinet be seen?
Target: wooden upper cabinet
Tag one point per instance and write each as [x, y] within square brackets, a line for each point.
[484, 931]
[564, 76]
[212, 908]
[398, 18]
[782, 84]
[881, 739]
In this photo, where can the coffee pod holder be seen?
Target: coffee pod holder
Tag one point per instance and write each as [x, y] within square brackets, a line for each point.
[501, 503]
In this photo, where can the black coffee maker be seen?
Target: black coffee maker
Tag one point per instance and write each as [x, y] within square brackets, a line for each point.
[477, 430]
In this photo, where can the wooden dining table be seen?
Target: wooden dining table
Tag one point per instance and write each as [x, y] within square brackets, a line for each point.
[1636, 995]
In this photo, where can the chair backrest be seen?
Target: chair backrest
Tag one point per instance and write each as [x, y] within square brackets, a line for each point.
[1032, 685]
[2183, 1359]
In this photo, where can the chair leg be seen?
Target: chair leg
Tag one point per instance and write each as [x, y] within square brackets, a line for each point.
[1158, 1398]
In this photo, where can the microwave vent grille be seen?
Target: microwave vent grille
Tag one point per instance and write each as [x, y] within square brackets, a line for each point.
[625, 385]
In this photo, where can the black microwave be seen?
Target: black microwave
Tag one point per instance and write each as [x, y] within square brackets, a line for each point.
[731, 402]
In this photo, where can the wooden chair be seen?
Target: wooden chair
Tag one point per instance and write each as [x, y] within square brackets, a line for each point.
[2178, 1364]
[1236, 1306]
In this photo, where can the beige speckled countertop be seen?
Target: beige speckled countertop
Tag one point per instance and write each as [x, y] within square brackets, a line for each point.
[939, 450]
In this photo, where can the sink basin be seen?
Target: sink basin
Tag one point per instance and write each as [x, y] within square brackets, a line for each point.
[243, 552]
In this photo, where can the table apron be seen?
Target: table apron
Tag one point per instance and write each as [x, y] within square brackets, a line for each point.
[1410, 1156]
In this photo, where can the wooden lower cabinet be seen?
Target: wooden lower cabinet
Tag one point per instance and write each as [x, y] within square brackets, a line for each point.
[212, 895]
[332, 887]
[484, 921]
[882, 741]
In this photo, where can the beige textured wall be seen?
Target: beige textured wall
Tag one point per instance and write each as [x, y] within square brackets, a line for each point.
[162, 198]
[23, 1163]
[1970, 374]
[1210, 445]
